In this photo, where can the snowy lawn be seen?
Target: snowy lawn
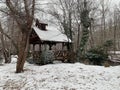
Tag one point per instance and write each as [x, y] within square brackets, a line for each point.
[60, 77]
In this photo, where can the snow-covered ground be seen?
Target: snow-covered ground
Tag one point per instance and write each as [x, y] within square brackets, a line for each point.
[60, 77]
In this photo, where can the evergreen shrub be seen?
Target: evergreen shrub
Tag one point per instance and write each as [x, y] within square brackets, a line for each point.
[97, 55]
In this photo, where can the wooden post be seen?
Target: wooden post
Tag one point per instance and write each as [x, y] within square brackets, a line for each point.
[33, 51]
[62, 46]
[50, 46]
[39, 47]
[40, 50]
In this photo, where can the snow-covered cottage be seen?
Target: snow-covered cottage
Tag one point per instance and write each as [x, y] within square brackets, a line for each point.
[44, 38]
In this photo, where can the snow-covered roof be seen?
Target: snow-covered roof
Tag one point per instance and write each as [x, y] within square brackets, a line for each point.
[51, 35]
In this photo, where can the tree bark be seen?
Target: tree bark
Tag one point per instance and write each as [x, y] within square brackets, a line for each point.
[85, 21]
[22, 54]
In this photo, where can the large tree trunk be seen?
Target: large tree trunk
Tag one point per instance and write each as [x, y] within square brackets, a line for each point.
[22, 54]
[85, 22]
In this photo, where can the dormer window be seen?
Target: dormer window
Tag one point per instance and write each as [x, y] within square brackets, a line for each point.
[41, 26]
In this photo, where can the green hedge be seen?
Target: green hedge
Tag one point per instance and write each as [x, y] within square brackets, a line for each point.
[97, 55]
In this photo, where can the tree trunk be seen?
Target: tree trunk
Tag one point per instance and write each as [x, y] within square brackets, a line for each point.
[5, 53]
[85, 22]
[22, 54]
[4, 50]
[91, 37]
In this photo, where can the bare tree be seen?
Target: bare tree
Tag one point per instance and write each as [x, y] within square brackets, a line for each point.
[104, 8]
[23, 15]
[63, 10]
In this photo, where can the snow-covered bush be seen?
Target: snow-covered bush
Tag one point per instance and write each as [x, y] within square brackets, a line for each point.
[14, 59]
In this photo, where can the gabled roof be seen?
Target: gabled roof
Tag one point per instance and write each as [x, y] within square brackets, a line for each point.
[51, 35]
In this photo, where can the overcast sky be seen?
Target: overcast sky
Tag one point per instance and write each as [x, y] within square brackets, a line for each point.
[115, 1]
